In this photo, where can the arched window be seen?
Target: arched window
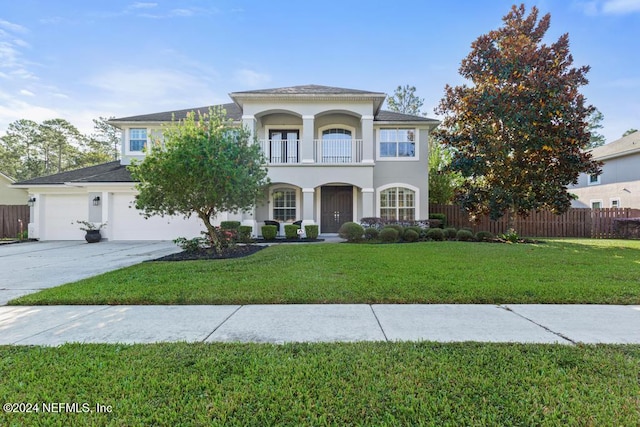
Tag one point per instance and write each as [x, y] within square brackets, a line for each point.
[336, 145]
[284, 204]
[398, 203]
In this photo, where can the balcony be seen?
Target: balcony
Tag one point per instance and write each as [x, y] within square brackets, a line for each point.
[333, 152]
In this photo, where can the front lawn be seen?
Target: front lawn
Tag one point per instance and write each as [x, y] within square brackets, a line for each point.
[557, 271]
[322, 384]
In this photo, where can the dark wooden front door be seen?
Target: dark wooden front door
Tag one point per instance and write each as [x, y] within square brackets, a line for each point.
[336, 205]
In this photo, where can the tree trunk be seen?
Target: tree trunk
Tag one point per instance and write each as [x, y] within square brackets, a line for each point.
[211, 231]
[511, 220]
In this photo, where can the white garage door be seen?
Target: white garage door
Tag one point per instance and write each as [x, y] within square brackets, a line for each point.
[61, 214]
[126, 223]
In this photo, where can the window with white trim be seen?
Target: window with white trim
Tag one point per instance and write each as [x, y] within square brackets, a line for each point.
[398, 203]
[615, 203]
[397, 143]
[137, 139]
[336, 145]
[593, 179]
[596, 204]
[284, 204]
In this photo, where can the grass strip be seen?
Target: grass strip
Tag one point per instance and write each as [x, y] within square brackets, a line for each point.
[326, 384]
[558, 271]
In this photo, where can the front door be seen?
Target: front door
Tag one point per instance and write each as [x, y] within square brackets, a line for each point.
[336, 205]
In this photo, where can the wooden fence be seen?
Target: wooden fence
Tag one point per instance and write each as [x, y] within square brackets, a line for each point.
[577, 222]
[9, 216]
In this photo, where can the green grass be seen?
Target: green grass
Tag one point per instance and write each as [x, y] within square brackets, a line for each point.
[558, 271]
[326, 384]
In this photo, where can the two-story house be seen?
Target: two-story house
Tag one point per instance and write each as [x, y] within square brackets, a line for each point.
[619, 184]
[333, 156]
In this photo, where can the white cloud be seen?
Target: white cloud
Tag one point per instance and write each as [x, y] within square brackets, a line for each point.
[142, 5]
[250, 78]
[619, 7]
[16, 28]
[26, 92]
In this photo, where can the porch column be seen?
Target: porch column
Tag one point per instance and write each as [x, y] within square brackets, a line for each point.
[36, 213]
[306, 145]
[307, 206]
[368, 205]
[249, 122]
[368, 143]
[105, 202]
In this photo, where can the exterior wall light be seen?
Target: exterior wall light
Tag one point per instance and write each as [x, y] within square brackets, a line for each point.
[96, 201]
[31, 201]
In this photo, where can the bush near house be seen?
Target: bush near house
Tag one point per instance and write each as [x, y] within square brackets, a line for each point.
[436, 234]
[450, 233]
[269, 232]
[351, 231]
[439, 217]
[484, 236]
[244, 233]
[291, 231]
[371, 233]
[410, 235]
[311, 231]
[389, 235]
[230, 225]
[464, 235]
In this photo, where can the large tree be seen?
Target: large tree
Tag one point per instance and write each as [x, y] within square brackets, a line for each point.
[405, 100]
[520, 128]
[106, 139]
[595, 122]
[203, 166]
[442, 181]
[629, 132]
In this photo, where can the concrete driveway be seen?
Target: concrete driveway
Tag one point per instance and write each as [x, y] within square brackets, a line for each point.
[31, 266]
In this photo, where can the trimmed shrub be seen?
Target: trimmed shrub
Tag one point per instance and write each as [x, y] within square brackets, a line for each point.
[439, 217]
[191, 245]
[397, 227]
[269, 232]
[483, 236]
[419, 230]
[410, 235]
[244, 233]
[464, 235]
[388, 235]
[351, 231]
[311, 231]
[450, 233]
[435, 223]
[230, 225]
[371, 233]
[291, 231]
[435, 234]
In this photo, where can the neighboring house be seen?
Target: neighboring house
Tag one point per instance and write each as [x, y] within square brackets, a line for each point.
[619, 184]
[333, 156]
[10, 195]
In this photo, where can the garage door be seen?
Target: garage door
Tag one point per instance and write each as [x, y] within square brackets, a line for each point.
[62, 212]
[126, 223]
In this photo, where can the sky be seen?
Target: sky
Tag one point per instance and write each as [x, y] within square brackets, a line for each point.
[80, 59]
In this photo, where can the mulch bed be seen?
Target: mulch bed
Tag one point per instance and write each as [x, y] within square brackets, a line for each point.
[234, 252]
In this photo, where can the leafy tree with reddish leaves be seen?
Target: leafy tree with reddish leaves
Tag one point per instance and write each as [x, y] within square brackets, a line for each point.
[519, 130]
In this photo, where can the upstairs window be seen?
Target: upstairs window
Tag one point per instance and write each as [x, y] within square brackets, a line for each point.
[594, 179]
[397, 143]
[336, 146]
[137, 139]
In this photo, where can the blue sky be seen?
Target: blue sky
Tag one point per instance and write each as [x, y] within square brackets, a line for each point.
[83, 59]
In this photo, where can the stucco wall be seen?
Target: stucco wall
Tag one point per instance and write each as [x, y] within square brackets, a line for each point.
[9, 195]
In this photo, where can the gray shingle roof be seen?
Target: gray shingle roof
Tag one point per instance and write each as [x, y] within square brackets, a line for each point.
[308, 90]
[392, 116]
[620, 147]
[106, 172]
[233, 112]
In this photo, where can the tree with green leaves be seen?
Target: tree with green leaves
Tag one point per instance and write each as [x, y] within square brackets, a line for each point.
[203, 166]
[595, 123]
[106, 139]
[442, 181]
[629, 132]
[519, 130]
[405, 100]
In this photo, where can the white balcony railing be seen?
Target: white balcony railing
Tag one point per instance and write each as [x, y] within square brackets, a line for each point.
[285, 151]
[337, 151]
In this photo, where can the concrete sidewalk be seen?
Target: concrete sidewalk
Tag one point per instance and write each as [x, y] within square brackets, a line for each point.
[565, 324]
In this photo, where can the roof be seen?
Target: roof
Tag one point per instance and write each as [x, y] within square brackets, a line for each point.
[233, 112]
[626, 145]
[6, 177]
[392, 116]
[308, 90]
[106, 172]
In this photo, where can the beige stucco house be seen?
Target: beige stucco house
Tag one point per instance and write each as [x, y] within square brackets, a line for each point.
[619, 184]
[10, 195]
[333, 156]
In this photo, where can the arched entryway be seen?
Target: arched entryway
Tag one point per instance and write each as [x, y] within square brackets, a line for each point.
[336, 207]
